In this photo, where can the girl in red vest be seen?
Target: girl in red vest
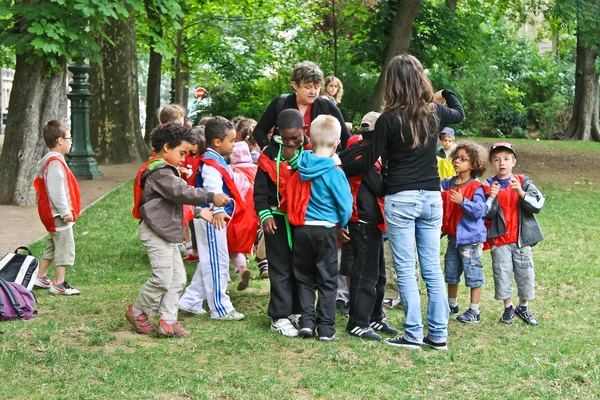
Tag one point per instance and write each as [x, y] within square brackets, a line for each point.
[58, 207]
[463, 221]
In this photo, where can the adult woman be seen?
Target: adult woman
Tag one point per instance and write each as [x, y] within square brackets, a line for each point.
[306, 82]
[333, 89]
[407, 130]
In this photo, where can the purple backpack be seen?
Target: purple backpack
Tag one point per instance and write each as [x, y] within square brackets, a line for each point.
[16, 302]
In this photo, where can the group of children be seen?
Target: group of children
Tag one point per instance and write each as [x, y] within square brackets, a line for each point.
[305, 208]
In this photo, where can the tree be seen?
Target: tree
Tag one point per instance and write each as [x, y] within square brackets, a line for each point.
[399, 44]
[114, 111]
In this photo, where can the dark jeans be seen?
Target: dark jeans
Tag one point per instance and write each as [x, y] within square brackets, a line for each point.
[284, 293]
[367, 274]
[316, 269]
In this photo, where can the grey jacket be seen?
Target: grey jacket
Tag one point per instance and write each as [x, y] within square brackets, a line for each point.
[163, 195]
[530, 232]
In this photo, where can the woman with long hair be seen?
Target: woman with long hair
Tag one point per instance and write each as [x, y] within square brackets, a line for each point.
[333, 89]
[407, 131]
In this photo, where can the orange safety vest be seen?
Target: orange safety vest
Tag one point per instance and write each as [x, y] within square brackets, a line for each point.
[242, 235]
[44, 209]
[453, 212]
[240, 203]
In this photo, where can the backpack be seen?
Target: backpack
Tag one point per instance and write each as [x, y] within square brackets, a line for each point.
[16, 302]
[19, 268]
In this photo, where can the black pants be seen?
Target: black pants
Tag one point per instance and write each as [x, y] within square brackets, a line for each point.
[316, 269]
[284, 293]
[367, 274]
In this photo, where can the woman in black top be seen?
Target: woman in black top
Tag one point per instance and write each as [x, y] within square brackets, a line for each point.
[407, 131]
[306, 82]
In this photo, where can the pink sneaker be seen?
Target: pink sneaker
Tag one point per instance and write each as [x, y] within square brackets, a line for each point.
[141, 323]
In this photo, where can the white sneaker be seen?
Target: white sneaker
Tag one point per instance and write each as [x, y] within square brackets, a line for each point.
[64, 289]
[43, 283]
[295, 320]
[232, 316]
[285, 327]
[201, 311]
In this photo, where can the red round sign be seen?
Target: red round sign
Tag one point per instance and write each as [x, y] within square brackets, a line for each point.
[200, 92]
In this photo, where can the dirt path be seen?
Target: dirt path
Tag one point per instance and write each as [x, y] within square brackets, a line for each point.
[20, 226]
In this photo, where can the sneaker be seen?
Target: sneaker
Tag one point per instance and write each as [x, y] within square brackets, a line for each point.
[508, 315]
[170, 330]
[401, 342]
[201, 311]
[141, 323]
[244, 281]
[526, 316]
[232, 316]
[391, 303]
[364, 333]
[306, 333]
[191, 258]
[43, 283]
[384, 327]
[469, 317]
[342, 307]
[326, 338]
[432, 345]
[63, 288]
[295, 320]
[263, 269]
[454, 309]
[284, 327]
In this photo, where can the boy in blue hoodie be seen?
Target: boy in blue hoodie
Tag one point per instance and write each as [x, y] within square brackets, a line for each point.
[321, 200]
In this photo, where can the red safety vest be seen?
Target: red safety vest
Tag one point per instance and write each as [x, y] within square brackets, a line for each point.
[188, 210]
[453, 212]
[242, 235]
[296, 199]
[355, 182]
[240, 203]
[285, 173]
[510, 203]
[44, 209]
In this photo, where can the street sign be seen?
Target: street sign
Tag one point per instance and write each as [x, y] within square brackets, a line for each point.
[200, 92]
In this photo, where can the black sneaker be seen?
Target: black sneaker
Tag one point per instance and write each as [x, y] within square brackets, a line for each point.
[437, 346]
[454, 309]
[526, 316]
[363, 333]
[342, 307]
[469, 317]
[306, 333]
[508, 315]
[384, 327]
[401, 342]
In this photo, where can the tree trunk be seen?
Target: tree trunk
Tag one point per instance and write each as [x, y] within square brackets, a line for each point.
[399, 44]
[115, 110]
[154, 76]
[451, 5]
[182, 75]
[34, 100]
[584, 124]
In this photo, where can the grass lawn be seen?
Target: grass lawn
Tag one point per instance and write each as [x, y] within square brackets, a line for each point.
[82, 347]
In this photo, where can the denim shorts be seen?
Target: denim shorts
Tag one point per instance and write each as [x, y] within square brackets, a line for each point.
[463, 259]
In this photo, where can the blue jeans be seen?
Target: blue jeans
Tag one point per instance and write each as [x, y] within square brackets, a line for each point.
[416, 216]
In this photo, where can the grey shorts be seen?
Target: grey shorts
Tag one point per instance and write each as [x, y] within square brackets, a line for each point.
[509, 260]
[60, 246]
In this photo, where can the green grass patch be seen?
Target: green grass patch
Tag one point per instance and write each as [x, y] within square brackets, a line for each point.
[82, 347]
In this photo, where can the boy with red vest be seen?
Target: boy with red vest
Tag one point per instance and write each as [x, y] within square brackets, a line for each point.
[464, 206]
[319, 200]
[362, 257]
[211, 276]
[513, 200]
[276, 164]
[58, 207]
[159, 196]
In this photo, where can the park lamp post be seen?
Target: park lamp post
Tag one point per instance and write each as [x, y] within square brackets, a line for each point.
[81, 161]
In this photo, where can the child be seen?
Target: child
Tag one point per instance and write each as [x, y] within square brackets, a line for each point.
[172, 113]
[159, 195]
[58, 207]
[463, 221]
[318, 199]
[191, 164]
[242, 235]
[444, 162]
[276, 165]
[363, 254]
[211, 276]
[513, 200]
[244, 129]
